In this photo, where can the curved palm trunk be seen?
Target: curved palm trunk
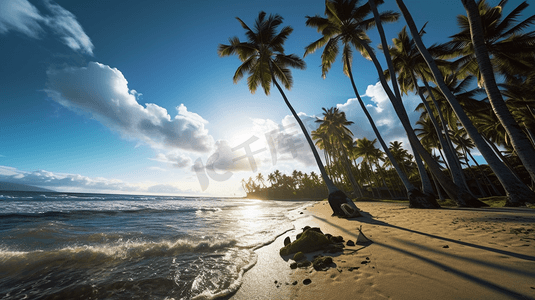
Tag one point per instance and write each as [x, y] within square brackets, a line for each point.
[347, 166]
[494, 189]
[519, 140]
[460, 195]
[410, 188]
[330, 185]
[426, 182]
[451, 158]
[518, 193]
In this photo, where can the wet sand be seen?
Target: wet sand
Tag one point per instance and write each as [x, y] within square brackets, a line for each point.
[448, 253]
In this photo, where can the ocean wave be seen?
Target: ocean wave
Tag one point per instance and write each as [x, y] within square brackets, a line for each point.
[88, 256]
[90, 213]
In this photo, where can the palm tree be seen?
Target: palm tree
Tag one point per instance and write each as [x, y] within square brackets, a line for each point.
[518, 193]
[510, 48]
[370, 157]
[520, 142]
[263, 58]
[402, 156]
[346, 23]
[334, 125]
[260, 180]
[458, 194]
[410, 66]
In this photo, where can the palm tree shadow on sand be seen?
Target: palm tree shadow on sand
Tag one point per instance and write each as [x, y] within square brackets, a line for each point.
[368, 219]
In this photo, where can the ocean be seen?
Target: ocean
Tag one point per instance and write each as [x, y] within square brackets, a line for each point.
[96, 246]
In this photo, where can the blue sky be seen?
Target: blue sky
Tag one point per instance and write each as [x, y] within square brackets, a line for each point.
[128, 96]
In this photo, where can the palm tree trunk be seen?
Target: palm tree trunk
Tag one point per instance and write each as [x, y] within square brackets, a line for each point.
[519, 140]
[518, 193]
[332, 189]
[440, 115]
[451, 159]
[347, 165]
[330, 185]
[408, 185]
[494, 189]
[460, 195]
[439, 191]
[426, 182]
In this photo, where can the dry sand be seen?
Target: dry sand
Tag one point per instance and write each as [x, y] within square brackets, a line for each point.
[447, 253]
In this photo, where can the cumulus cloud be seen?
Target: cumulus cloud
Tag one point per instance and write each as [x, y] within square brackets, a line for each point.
[103, 92]
[72, 182]
[80, 183]
[266, 144]
[382, 113]
[22, 16]
[175, 159]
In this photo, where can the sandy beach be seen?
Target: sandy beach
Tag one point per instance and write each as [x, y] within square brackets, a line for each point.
[448, 253]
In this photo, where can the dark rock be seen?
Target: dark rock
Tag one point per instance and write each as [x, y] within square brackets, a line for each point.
[365, 262]
[322, 263]
[294, 283]
[303, 264]
[309, 241]
[337, 239]
[350, 243]
[334, 248]
[446, 246]
[307, 281]
[317, 229]
[353, 268]
[293, 265]
[287, 241]
[299, 256]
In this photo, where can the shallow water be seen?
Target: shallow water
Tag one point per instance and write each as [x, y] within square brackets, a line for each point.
[92, 246]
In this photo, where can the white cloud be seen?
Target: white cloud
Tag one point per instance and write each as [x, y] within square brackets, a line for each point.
[102, 92]
[79, 183]
[22, 16]
[383, 114]
[72, 182]
[175, 159]
[64, 24]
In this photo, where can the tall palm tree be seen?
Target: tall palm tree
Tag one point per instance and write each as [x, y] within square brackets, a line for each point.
[263, 58]
[509, 46]
[346, 23]
[335, 126]
[402, 156]
[410, 66]
[519, 140]
[458, 194]
[518, 193]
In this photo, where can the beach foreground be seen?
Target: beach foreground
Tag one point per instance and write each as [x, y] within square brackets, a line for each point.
[448, 253]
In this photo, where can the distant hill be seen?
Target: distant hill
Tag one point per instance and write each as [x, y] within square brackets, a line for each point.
[16, 187]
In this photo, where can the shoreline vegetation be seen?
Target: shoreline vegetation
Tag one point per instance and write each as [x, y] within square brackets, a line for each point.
[379, 184]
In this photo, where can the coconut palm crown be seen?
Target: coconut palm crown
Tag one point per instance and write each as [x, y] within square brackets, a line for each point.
[263, 50]
[346, 22]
